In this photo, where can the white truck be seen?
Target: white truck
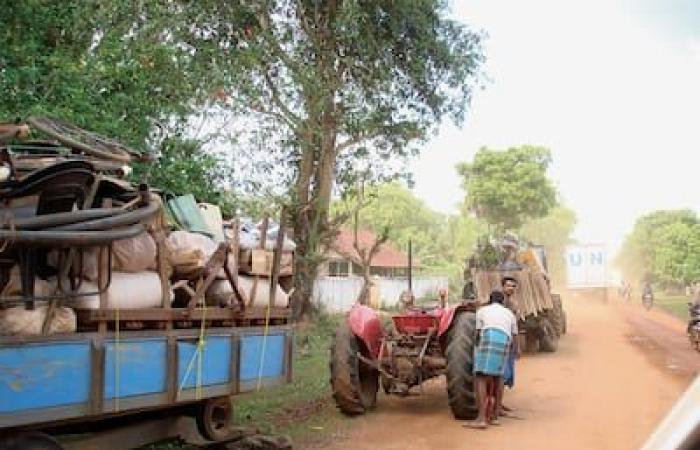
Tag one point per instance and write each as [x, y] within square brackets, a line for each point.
[587, 271]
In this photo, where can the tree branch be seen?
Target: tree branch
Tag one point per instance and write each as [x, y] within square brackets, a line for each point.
[358, 138]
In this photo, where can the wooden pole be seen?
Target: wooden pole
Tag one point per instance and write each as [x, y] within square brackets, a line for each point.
[276, 259]
[410, 268]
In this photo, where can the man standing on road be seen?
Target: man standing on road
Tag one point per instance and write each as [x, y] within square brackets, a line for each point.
[495, 325]
[509, 285]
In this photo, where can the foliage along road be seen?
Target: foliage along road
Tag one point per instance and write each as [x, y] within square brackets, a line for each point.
[617, 372]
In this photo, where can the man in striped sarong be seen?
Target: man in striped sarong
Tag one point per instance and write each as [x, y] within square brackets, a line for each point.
[495, 325]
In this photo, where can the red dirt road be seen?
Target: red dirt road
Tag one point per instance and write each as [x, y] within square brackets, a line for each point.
[617, 372]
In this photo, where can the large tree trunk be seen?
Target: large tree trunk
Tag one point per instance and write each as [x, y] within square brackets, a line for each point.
[311, 228]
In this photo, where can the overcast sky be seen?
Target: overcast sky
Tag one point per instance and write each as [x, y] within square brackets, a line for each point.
[612, 87]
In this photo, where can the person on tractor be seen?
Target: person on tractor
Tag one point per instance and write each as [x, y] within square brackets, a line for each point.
[495, 325]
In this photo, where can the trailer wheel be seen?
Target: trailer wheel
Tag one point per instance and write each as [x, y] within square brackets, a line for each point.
[460, 361]
[354, 383]
[30, 441]
[548, 336]
[214, 418]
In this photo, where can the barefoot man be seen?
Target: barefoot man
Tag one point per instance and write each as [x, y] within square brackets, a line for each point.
[495, 325]
[509, 285]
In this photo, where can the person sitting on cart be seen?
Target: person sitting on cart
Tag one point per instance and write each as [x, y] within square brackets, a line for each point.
[495, 325]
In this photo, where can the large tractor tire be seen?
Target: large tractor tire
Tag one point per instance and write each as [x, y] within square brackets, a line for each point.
[460, 361]
[353, 382]
[548, 336]
[557, 316]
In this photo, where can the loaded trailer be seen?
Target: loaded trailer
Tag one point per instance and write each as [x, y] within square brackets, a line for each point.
[107, 318]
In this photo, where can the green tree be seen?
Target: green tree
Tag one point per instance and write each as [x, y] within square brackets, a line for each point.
[440, 242]
[508, 188]
[655, 247]
[334, 90]
[392, 207]
[554, 232]
[677, 260]
[339, 88]
[183, 168]
[103, 65]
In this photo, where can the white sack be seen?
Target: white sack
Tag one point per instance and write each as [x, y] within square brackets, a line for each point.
[18, 321]
[184, 243]
[127, 290]
[221, 293]
[135, 254]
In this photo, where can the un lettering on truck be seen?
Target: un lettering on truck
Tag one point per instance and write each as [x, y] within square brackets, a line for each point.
[586, 266]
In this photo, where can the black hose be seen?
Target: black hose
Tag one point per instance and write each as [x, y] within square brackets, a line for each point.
[107, 223]
[63, 218]
[55, 238]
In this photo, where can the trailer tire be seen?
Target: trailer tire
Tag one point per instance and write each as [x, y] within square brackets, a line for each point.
[214, 418]
[548, 336]
[30, 441]
[354, 383]
[460, 360]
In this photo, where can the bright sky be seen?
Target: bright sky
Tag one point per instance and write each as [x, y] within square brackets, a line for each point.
[612, 87]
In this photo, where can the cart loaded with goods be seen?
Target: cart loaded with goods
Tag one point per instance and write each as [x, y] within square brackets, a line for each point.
[117, 299]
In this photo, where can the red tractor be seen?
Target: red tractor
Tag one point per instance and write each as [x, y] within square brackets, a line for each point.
[424, 342]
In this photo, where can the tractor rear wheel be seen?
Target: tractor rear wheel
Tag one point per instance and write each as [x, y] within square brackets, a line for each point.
[557, 315]
[353, 382]
[548, 336]
[460, 361]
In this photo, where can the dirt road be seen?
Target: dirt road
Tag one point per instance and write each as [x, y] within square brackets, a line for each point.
[617, 372]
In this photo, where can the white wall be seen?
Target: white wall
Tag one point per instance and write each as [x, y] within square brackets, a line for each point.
[339, 294]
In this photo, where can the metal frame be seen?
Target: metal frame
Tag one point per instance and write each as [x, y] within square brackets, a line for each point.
[97, 408]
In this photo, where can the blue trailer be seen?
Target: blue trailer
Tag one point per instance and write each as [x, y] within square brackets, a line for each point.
[81, 377]
[71, 198]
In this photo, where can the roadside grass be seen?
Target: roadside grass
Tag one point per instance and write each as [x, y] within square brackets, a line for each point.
[674, 304]
[284, 408]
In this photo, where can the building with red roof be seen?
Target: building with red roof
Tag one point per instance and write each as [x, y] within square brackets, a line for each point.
[343, 259]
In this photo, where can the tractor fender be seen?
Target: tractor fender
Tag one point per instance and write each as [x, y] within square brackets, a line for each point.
[449, 314]
[446, 319]
[364, 323]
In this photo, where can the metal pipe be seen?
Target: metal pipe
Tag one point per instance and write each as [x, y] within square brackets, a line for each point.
[63, 218]
[55, 238]
[128, 218]
[410, 268]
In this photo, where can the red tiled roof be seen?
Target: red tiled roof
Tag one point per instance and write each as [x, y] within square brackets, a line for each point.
[387, 256]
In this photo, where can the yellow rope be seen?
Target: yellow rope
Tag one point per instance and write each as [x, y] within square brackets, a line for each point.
[200, 349]
[117, 360]
[197, 356]
[264, 344]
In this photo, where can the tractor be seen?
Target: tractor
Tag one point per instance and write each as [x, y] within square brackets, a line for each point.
[540, 313]
[424, 342]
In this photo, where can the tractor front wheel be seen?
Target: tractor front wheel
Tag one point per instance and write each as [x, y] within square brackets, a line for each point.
[353, 382]
[460, 361]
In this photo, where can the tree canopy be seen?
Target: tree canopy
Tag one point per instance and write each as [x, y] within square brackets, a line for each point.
[664, 246]
[508, 188]
[554, 232]
[330, 91]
